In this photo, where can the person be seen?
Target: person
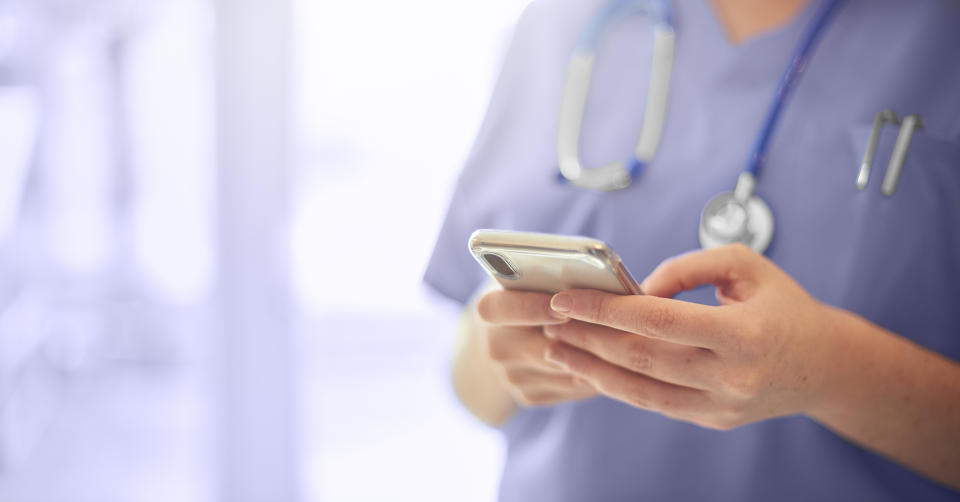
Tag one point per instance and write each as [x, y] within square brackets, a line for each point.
[825, 370]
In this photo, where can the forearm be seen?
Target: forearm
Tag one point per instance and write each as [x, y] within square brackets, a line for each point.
[893, 397]
[474, 379]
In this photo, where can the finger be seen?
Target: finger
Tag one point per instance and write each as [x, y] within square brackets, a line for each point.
[732, 269]
[664, 318]
[537, 388]
[541, 382]
[517, 308]
[521, 347]
[664, 361]
[547, 398]
[632, 388]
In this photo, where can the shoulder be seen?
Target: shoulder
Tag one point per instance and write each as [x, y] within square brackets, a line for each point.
[556, 19]
[558, 10]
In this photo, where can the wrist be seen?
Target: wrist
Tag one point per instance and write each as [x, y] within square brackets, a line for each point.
[861, 363]
[837, 366]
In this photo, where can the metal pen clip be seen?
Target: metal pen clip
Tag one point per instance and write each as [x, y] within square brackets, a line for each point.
[892, 177]
[881, 119]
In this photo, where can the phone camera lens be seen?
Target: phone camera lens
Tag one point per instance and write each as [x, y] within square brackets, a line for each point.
[499, 264]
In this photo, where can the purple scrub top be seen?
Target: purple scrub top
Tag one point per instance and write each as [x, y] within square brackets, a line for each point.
[893, 260]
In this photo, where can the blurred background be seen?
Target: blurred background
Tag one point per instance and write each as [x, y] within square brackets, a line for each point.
[214, 216]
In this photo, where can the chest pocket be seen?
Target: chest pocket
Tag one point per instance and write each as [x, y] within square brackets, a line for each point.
[903, 257]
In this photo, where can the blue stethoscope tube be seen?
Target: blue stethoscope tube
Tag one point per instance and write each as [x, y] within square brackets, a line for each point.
[788, 82]
[617, 10]
[615, 175]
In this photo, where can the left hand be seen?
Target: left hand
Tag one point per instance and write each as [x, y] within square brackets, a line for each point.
[765, 352]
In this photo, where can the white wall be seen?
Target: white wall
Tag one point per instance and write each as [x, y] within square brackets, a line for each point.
[391, 95]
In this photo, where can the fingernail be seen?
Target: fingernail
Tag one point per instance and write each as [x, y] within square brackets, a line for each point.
[561, 302]
[550, 331]
[554, 357]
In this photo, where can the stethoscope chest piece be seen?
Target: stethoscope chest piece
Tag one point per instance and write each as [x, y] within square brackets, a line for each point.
[737, 216]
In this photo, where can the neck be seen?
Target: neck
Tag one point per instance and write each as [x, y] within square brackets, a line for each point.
[743, 19]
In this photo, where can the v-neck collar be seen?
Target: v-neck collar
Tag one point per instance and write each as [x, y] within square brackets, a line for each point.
[702, 17]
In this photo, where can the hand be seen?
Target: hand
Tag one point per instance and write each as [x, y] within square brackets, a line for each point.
[512, 328]
[754, 357]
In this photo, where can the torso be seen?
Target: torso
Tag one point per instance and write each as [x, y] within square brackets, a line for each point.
[894, 260]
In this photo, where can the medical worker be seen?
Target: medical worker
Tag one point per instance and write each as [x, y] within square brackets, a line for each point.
[824, 368]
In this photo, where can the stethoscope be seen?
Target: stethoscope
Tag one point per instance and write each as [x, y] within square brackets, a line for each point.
[737, 216]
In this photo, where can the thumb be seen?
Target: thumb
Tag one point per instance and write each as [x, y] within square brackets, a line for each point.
[733, 269]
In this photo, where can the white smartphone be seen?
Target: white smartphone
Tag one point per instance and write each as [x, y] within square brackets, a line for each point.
[550, 263]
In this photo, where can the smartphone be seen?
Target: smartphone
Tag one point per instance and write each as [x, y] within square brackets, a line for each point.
[549, 263]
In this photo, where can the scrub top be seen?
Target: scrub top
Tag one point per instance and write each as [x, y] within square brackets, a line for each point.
[893, 260]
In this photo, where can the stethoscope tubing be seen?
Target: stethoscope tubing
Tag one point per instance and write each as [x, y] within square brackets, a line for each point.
[617, 174]
[788, 81]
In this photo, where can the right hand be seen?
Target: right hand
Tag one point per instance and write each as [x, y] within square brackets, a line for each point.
[511, 327]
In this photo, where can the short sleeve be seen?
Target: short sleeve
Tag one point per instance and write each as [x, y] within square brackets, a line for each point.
[499, 145]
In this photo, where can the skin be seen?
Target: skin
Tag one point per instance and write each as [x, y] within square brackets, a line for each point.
[743, 19]
[499, 362]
